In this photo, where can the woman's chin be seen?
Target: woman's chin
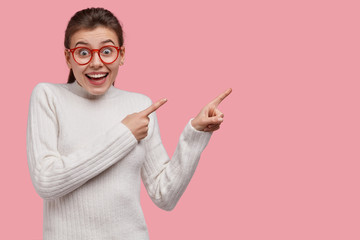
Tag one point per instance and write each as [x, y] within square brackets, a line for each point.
[97, 89]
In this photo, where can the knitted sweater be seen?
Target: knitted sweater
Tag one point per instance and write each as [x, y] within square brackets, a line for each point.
[87, 165]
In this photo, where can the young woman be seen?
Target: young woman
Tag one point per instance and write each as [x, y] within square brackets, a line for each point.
[89, 143]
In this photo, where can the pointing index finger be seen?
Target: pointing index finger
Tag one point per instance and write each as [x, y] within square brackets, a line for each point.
[154, 107]
[221, 97]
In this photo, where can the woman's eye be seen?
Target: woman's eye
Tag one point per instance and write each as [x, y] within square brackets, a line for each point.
[84, 52]
[106, 51]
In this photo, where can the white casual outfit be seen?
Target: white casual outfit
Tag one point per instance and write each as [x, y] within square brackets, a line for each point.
[87, 165]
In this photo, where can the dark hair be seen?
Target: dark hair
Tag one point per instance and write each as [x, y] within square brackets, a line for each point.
[91, 18]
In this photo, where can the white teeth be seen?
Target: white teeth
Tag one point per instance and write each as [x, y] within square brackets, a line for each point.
[97, 75]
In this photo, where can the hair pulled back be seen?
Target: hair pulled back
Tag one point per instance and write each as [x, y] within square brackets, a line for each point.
[89, 19]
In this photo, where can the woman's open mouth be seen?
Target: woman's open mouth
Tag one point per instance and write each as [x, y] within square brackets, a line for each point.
[97, 79]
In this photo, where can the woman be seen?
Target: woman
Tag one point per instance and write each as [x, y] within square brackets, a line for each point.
[89, 143]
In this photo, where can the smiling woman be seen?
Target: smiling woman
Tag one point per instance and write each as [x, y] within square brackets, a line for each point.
[93, 62]
[90, 144]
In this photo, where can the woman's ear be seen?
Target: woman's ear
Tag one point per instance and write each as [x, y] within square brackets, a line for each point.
[122, 55]
[67, 58]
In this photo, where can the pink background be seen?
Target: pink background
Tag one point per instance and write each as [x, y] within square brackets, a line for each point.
[284, 165]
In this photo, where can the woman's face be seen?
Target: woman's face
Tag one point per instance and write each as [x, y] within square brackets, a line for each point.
[96, 77]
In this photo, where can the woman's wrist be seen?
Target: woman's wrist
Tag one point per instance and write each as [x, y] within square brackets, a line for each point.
[195, 124]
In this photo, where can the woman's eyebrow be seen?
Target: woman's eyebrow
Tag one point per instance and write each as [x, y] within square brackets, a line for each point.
[107, 41]
[85, 43]
[80, 42]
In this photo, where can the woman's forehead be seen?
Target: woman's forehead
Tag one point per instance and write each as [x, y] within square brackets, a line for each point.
[94, 37]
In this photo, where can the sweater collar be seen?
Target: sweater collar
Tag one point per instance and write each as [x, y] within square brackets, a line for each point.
[77, 89]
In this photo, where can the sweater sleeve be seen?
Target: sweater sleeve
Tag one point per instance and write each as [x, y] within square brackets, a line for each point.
[54, 175]
[166, 180]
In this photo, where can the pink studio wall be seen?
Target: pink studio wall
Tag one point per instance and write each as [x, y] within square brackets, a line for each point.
[284, 165]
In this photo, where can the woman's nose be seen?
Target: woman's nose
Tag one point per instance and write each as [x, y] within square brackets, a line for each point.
[96, 61]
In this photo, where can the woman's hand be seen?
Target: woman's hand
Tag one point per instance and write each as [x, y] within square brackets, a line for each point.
[138, 122]
[210, 117]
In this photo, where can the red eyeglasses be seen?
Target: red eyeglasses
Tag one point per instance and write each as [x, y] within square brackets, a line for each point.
[83, 55]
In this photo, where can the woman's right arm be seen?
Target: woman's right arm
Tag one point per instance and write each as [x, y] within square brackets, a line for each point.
[55, 175]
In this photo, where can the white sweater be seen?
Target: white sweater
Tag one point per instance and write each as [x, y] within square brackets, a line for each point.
[87, 165]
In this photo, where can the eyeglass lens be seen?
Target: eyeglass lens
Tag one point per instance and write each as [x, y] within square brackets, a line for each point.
[107, 54]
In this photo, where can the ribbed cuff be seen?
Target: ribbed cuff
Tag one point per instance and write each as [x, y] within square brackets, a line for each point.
[201, 137]
[127, 132]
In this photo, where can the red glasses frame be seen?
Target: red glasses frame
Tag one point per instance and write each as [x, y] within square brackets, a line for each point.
[72, 50]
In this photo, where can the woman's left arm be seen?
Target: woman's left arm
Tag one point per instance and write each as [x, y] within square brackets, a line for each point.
[166, 180]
